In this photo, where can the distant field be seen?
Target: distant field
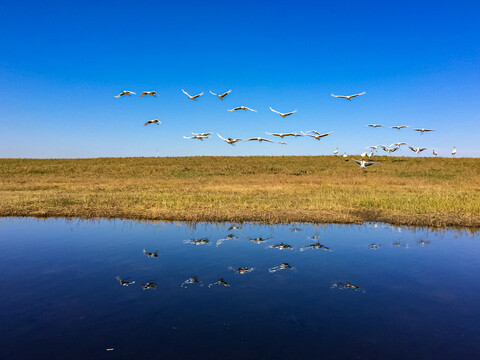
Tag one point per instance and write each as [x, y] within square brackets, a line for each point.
[409, 191]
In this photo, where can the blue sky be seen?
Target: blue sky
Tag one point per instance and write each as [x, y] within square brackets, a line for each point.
[62, 62]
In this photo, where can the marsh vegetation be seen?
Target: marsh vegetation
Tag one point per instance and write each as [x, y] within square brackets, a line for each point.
[401, 190]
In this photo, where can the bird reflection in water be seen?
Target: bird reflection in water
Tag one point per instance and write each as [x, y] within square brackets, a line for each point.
[220, 282]
[228, 237]
[346, 286]
[151, 254]
[149, 285]
[282, 266]
[242, 270]
[317, 245]
[314, 237]
[202, 241]
[124, 282]
[399, 244]
[258, 240]
[234, 227]
[281, 246]
[423, 242]
[192, 281]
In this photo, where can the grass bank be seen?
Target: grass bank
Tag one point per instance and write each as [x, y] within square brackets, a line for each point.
[409, 191]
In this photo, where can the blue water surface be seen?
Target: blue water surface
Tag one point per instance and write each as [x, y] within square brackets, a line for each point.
[418, 294]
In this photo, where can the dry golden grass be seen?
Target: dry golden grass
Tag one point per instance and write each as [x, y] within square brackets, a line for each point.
[409, 191]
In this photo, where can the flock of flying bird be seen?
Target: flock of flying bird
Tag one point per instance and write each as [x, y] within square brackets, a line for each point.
[311, 133]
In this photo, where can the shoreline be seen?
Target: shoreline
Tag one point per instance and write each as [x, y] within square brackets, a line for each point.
[474, 229]
[438, 222]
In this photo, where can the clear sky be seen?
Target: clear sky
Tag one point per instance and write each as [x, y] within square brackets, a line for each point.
[62, 62]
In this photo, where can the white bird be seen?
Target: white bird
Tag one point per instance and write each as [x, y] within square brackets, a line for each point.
[259, 139]
[230, 141]
[244, 108]
[348, 97]
[434, 152]
[284, 115]
[398, 127]
[317, 135]
[363, 164]
[125, 92]
[221, 96]
[390, 150]
[375, 125]
[335, 152]
[196, 137]
[422, 130]
[280, 135]
[417, 150]
[375, 147]
[364, 154]
[156, 121]
[282, 142]
[454, 151]
[202, 134]
[370, 154]
[345, 156]
[194, 97]
[151, 93]
[398, 144]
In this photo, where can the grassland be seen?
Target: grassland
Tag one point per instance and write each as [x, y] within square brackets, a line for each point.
[409, 191]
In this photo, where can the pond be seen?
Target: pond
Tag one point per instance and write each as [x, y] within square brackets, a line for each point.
[113, 289]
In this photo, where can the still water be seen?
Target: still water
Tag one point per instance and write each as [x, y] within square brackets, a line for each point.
[72, 289]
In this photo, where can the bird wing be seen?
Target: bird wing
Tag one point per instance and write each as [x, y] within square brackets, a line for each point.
[148, 122]
[188, 137]
[290, 113]
[267, 140]
[186, 93]
[197, 96]
[143, 94]
[235, 108]
[358, 162]
[326, 134]
[221, 137]
[370, 163]
[225, 93]
[355, 95]
[314, 131]
[252, 139]
[339, 96]
[275, 111]
[213, 93]
[421, 149]
[250, 109]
